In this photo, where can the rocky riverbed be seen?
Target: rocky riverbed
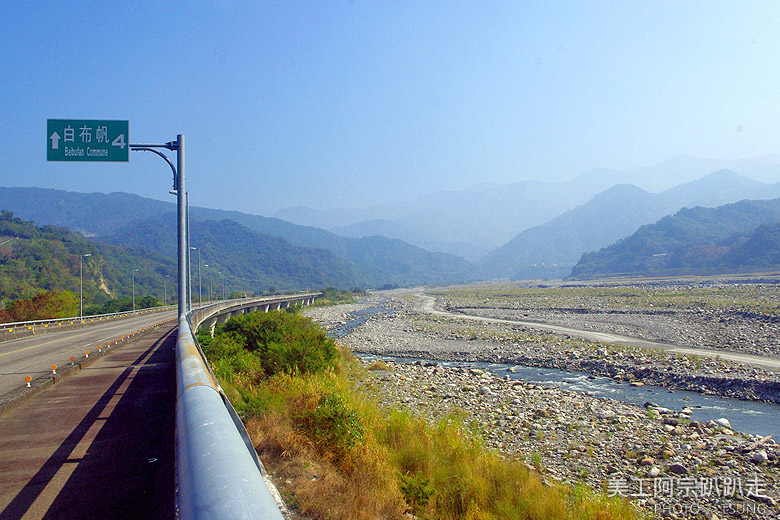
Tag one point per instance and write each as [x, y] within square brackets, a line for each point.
[718, 314]
[665, 462]
[413, 333]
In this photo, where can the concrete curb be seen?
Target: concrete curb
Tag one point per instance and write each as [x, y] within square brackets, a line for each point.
[22, 395]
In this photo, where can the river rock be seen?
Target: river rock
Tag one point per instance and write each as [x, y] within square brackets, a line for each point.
[759, 457]
[606, 413]
[723, 422]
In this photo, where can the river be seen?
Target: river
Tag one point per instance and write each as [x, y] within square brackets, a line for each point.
[745, 416]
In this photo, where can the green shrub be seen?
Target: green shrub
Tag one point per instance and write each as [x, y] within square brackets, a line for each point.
[417, 490]
[284, 342]
[333, 426]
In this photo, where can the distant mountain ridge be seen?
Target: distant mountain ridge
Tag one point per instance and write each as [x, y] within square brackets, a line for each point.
[552, 249]
[469, 223]
[380, 260]
[473, 222]
[735, 237]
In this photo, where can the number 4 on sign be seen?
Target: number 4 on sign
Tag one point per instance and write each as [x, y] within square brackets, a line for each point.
[119, 141]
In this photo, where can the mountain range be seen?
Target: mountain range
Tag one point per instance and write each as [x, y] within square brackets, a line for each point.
[546, 227]
[552, 249]
[471, 223]
[115, 217]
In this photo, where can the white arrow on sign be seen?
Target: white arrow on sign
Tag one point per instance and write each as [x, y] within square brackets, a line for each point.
[55, 141]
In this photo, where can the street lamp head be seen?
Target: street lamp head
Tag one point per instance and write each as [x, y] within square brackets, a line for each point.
[86, 255]
[194, 248]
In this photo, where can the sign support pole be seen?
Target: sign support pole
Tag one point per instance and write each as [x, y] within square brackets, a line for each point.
[181, 207]
[183, 238]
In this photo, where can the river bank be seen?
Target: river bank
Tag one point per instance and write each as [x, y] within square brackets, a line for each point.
[652, 455]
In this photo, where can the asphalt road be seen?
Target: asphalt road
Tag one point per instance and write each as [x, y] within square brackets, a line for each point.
[98, 444]
[33, 356]
[427, 305]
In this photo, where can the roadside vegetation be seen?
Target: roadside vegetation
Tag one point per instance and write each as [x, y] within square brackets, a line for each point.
[46, 305]
[64, 304]
[333, 296]
[337, 454]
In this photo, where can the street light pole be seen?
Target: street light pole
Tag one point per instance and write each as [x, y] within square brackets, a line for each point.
[211, 286]
[81, 285]
[200, 286]
[189, 270]
[134, 270]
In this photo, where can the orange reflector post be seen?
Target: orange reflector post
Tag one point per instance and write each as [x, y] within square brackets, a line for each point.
[54, 369]
[72, 360]
[28, 379]
[86, 353]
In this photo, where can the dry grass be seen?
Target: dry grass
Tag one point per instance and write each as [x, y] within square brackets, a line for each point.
[378, 364]
[447, 473]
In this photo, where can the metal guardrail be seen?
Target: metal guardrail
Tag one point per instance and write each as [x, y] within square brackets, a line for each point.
[218, 473]
[77, 319]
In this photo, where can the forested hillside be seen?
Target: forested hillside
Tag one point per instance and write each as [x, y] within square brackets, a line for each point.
[743, 236]
[551, 250]
[241, 259]
[35, 260]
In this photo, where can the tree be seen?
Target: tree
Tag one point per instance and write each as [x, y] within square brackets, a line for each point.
[44, 306]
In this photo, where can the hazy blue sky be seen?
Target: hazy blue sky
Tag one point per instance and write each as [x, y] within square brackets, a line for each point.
[335, 103]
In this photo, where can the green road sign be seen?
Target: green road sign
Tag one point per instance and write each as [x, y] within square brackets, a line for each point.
[87, 140]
